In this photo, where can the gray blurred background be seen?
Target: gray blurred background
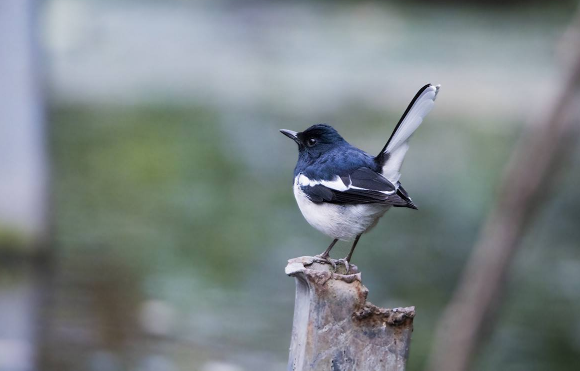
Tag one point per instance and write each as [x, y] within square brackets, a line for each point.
[146, 211]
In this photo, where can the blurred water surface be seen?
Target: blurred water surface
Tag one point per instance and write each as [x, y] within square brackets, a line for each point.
[173, 210]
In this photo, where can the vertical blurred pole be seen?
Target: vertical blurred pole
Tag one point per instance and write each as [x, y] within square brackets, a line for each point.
[526, 184]
[23, 167]
[23, 183]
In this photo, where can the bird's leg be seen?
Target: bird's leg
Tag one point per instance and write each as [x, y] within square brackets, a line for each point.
[346, 260]
[326, 252]
[349, 256]
[324, 257]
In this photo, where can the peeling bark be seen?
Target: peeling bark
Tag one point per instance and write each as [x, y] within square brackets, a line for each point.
[336, 329]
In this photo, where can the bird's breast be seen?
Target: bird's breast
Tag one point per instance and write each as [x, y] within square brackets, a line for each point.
[344, 222]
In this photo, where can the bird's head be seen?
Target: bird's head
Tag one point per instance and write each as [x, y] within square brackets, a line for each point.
[315, 140]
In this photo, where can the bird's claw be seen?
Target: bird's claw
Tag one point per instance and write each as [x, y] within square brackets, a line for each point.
[326, 260]
[346, 264]
[333, 262]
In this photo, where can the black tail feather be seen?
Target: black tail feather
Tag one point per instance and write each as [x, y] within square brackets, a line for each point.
[401, 192]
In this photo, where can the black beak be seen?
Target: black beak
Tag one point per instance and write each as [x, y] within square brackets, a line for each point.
[291, 134]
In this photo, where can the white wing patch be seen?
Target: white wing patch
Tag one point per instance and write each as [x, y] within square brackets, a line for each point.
[336, 184]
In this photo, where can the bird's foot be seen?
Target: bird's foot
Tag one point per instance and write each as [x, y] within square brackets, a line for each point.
[345, 263]
[325, 260]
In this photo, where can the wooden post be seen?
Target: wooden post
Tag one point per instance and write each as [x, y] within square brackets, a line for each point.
[336, 329]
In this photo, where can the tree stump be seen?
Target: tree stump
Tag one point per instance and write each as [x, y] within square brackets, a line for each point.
[336, 329]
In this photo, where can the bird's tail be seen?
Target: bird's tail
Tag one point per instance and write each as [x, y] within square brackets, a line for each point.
[392, 155]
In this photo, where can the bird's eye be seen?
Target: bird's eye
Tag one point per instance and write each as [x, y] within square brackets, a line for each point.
[311, 142]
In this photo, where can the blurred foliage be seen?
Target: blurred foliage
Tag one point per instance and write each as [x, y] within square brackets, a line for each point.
[11, 241]
[150, 180]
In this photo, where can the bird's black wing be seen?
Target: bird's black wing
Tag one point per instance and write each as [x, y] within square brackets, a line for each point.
[362, 186]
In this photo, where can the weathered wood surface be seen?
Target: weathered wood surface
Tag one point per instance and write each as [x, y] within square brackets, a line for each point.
[336, 329]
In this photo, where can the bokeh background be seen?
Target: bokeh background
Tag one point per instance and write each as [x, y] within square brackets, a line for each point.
[146, 211]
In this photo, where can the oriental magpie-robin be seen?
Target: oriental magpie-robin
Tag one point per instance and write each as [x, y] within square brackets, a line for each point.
[343, 191]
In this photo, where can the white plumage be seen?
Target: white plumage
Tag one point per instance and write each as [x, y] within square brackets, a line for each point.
[398, 144]
[344, 222]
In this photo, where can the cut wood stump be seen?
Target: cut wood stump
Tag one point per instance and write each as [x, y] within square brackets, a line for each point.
[336, 329]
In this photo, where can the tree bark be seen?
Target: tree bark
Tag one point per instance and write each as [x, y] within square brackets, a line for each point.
[336, 329]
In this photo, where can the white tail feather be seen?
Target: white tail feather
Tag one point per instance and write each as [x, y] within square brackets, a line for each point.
[397, 146]
[393, 165]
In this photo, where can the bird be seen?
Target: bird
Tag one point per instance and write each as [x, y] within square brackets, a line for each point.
[343, 191]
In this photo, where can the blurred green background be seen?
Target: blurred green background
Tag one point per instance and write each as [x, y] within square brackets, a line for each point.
[171, 211]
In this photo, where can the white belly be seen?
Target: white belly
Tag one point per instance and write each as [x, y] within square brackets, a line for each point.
[344, 222]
